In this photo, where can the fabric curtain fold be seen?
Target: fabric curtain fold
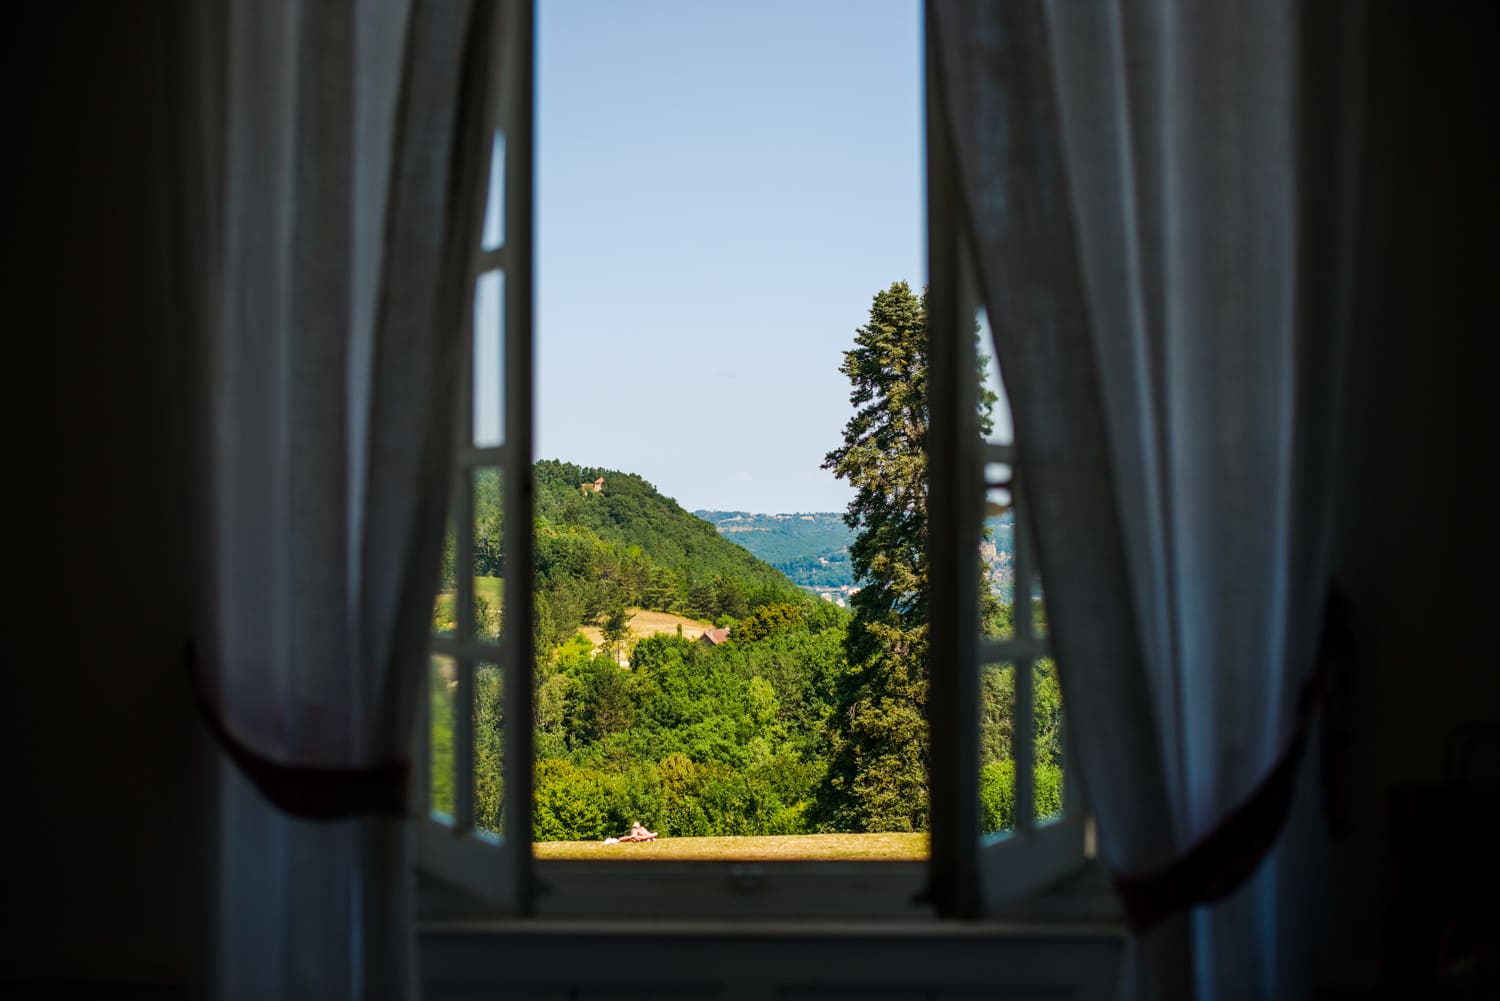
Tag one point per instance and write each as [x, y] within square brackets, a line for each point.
[1166, 298]
[335, 154]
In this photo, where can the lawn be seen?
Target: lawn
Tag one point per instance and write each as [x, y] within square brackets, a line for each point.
[786, 848]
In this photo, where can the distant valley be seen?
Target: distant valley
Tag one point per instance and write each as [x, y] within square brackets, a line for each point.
[812, 548]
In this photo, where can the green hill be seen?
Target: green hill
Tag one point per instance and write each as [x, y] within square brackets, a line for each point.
[626, 544]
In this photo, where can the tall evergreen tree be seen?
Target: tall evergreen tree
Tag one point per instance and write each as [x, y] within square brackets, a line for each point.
[877, 778]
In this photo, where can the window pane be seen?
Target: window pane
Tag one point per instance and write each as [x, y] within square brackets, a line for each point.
[489, 749]
[443, 611]
[489, 359]
[1048, 715]
[494, 206]
[442, 679]
[1002, 431]
[1038, 608]
[997, 556]
[997, 767]
[489, 555]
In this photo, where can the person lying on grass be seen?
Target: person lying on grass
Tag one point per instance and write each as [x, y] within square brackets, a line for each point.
[638, 833]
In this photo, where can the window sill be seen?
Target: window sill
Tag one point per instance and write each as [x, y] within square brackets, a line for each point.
[760, 959]
[659, 896]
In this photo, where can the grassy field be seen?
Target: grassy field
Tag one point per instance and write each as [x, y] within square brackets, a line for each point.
[644, 623]
[789, 848]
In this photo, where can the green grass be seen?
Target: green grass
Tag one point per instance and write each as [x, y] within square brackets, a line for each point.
[785, 848]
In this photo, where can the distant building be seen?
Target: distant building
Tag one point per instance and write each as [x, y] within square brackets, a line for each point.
[713, 637]
[597, 487]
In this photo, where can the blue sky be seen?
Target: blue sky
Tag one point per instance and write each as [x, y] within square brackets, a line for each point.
[721, 189]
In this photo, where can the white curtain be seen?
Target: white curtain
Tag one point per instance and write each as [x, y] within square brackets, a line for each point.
[1158, 196]
[331, 157]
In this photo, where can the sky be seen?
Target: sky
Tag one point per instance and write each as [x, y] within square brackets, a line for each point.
[721, 190]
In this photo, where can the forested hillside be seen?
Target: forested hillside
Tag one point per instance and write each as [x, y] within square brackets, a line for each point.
[692, 737]
[607, 540]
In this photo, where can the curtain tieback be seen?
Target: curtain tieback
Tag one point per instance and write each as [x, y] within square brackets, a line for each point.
[307, 792]
[1217, 863]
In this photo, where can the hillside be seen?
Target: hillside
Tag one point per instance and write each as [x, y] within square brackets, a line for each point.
[607, 539]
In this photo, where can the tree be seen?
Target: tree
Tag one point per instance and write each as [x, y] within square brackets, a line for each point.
[614, 628]
[878, 776]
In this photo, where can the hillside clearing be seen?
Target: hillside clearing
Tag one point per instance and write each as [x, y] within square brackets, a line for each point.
[783, 848]
[644, 622]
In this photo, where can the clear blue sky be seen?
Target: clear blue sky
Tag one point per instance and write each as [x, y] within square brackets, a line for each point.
[721, 189]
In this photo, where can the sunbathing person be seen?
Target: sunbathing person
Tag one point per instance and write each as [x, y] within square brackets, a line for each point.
[639, 833]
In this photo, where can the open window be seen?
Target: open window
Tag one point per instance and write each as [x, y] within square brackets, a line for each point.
[477, 799]
[474, 794]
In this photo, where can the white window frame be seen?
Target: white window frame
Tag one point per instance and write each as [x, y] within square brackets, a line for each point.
[966, 875]
[975, 876]
[495, 869]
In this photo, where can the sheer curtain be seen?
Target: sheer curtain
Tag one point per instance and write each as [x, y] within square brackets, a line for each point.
[1158, 196]
[331, 158]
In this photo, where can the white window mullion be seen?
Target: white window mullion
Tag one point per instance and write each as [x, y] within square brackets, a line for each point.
[496, 259]
[463, 693]
[471, 457]
[1023, 724]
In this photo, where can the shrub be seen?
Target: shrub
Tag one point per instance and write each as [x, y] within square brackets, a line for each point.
[572, 804]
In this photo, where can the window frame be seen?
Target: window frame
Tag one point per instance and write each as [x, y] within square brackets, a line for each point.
[966, 875]
[450, 848]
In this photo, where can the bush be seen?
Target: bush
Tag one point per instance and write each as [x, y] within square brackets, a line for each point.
[572, 804]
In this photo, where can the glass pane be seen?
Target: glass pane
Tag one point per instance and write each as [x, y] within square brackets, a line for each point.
[1038, 608]
[997, 768]
[489, 554]
[494, 205]
[1047, 713]
[1001, 430]
[489, 749]
[489, 359]
[442, 679]
[997, 560]
[1033, 583]
[443, 614]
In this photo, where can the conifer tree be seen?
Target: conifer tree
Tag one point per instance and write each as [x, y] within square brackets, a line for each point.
[877, 778]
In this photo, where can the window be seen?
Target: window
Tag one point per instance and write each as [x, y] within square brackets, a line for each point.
[479, 837]
[480, 662]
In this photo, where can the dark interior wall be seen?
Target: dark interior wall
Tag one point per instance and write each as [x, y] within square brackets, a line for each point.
[1416, 553]
[109, 813]
[107, 809]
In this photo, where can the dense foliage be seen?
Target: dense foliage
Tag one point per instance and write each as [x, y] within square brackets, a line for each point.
[598, 551]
